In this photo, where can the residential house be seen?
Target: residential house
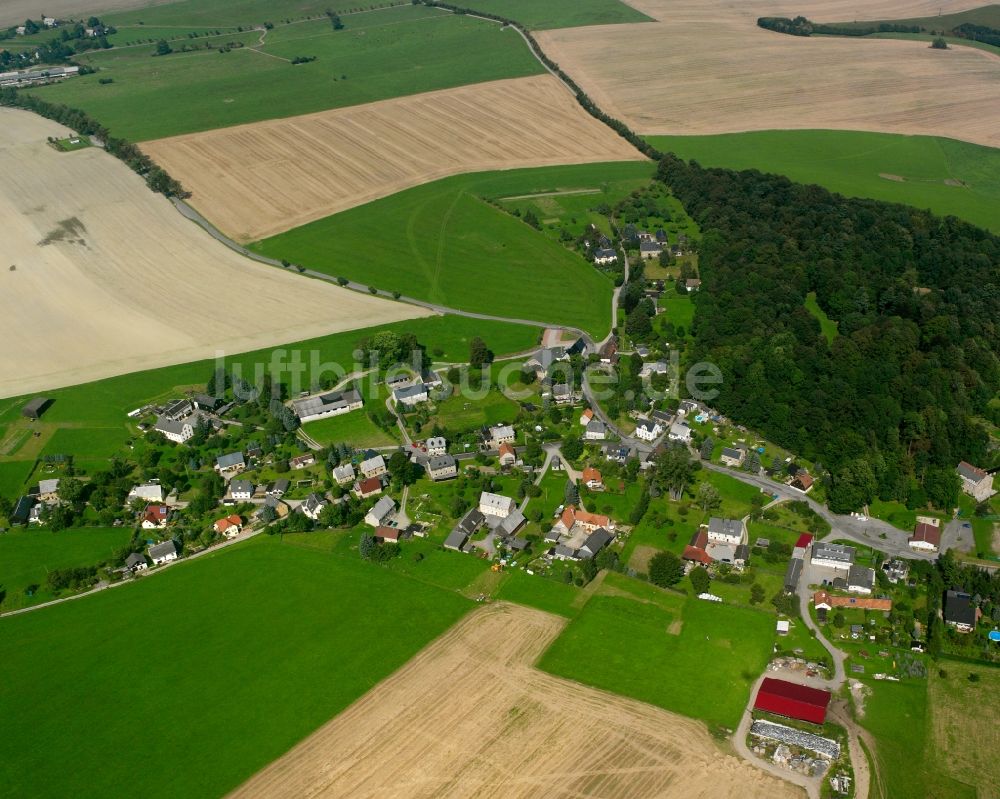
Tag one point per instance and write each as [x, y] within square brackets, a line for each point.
[860, 579]
[48, 490]
[726, 531]
[230, 527]
[691, 285]
[661, 236]
[496, 505]
[596, 430]
[436, 445]
[649, 250]
[616, 452]
[465, 528]
[277, 489]
[501, 434]
[508, 457]
[163, 553]
[609, 352]
[742, 557]
[136, 562]
[179, 409]
[302, 461]
[586, 416]
[595, 542]
[697, 549]
[603, 256]
[679, 431]
[833, 556]
[578, 347]
[387, 534]
[512, 523]
[373, 467]
[343, 474]
[442, 467]
[573, 517]
[823, 600]
[977, 483]
[803, 481]
[203, 402]
[648, 430]
[176, 431]
[926, 535]
[592, 479]
[650, 368]
[959, 612]
[313, 506]
[233, 463]
[896, 570]
[665, 418]
[155, 517]
[542, 360]
[410, 396]
[369, 487]
[148, 492]
[732, 456]
[456, 540]
[381, 512]
[325, 405]
[563, 394]
[241, 490]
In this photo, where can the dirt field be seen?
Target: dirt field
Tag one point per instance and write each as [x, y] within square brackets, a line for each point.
[706, 67]
[15, 12]
[470, 717]
[101, 277]
[256, 180]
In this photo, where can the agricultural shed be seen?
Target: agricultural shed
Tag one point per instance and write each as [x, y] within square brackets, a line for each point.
[792, 700]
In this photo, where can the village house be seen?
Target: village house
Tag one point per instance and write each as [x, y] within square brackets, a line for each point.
[726, 531]
[563, 394]
[233, 463]
[860, 579]
[442, 467]
[832, 556]
[163, 553]
[313, 506]
[959, 612]
[179, 409]
[465, 528]
[594, 543]
[792, 575]
[691, 285]
[241, 490]
[136, 562]
[649, 250]
[823, 600]
[604, 256]
[586, 416]
[592, 479]
[373, 467]
[380, 512]
[48, 490]
[155, 517]
[343, 474]
[608, 354]
[230, 527]
[302, 461]
[596, 430]
[410, 396]
[277, 489]
[619, 453]
[176, 431]
[650, 368]
[542, 361]
[697, 549]
[508, 457]
[325, 405]
[387, 535]
[496, 505]
[732, 457]
[648, 430]
[148, 492]
[203, 402]
[436, 445]
[977, 483]
[369, 487]
[803, 481]
[572, 516]
[21, 513]
[679, 431]
[501, 434]
[926, 535]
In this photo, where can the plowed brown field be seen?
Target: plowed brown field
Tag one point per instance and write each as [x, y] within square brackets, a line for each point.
[705, 67]
[256, 180]
[470, 717]
[102, 277]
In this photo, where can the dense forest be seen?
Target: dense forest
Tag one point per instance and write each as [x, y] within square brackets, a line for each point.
[899, 396]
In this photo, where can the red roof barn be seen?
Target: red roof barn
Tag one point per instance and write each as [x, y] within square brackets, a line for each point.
[804, 541]
[792, 700]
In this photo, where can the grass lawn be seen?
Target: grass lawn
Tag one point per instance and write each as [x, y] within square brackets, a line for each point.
[559, 13]
[540, 592]
[455, 249]
[678, 309]
[827, 326]
[459, 414]
[14, 477]
[633, 646]
[68, 146]
[86, 442]
[851, 163]
[27, 555]
[379, 55]
[255, 646]
[354, 428]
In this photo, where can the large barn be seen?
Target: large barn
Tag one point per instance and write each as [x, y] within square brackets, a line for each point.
[792, 700]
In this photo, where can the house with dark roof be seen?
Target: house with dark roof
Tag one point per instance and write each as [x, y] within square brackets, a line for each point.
[726, 531]
[241, 490]
[860, 579]
[313, 506]
[409, 396]
[732, 456]
[278, 488]
[334, 403]
[22, 510]
[959, 612]
[605, 255]
[792, 575]
[442, 467]
[926, 536]
[976, 482]
[696, 550]
[380, 512]
[649, 250]
[594, 543]
[833, 556]
[163, 553]
[232, 462]
[136, 562]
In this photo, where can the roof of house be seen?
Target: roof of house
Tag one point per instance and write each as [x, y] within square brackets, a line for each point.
[743, 552]
[596, 426]
[383, 507]
[728, 527]
[699, 539]
[927, 533]
[434, 442]
[241, 487]
[729, 452]
[861, 576]
[649, 246]
[862, 602]
[439, 462]
[387, 533]
[837, 552]
[587, 414]
[497, 501]
[507, 449]
[159, 550]
[165, 426]
[597, 540]
[958, 608]
[605, 252]
[48, 486]
[157, 514]
[792, 700]
[280, 485]
[514, 522]
[229, 521]
[369, 485]
[456, 539]
[313, 503]
[502, 431]
[792, 574]
[343, 472]
[692, 282]
[134, 559]
[326, 403]
[648, 425]
[378, 462]
[969, 472]
[410, 392]
[804, 479]
[696, 554]
[590, 474]
[471, 521]
[230, 460]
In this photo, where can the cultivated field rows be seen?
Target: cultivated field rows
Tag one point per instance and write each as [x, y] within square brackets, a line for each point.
[705, 67]
[470, 717]
[102, 277]
[256, 180]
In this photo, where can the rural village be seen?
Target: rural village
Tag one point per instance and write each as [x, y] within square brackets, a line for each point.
[685, 489]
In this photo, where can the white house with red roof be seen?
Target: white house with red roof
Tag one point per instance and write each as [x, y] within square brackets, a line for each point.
[155, 517]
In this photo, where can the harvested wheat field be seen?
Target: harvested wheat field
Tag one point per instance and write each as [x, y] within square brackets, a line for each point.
[256, 180]
[102, 277]
[15, 12]
[705, 67]
[470, 717]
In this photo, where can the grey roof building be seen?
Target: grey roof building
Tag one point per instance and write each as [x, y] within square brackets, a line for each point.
[834, 555]
[792, 575]
[331, 404]
[456, 539]
[234, 460]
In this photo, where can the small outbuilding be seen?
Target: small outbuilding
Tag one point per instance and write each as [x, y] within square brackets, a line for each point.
[36, 407]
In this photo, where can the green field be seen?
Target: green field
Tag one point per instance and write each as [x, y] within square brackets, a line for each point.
[454, 248]
[827, 326]
[13, 476]
[229, 13]
[379, 55]
[27, 555]
[540, 592]
[693, 657]
[459, 414]
[851, 163]
[558, 13]
[220, 665]
[355, 428]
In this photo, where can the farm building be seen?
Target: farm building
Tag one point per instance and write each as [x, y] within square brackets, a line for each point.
[792, 575]
[325, 405]
[36, 407]
[833, 556]
[792, 700]
[926, 536]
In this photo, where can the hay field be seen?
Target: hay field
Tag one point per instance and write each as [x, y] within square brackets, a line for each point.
[470, 717]
[102, 277]
[705, 67]
[15, 12]
[256, 180]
